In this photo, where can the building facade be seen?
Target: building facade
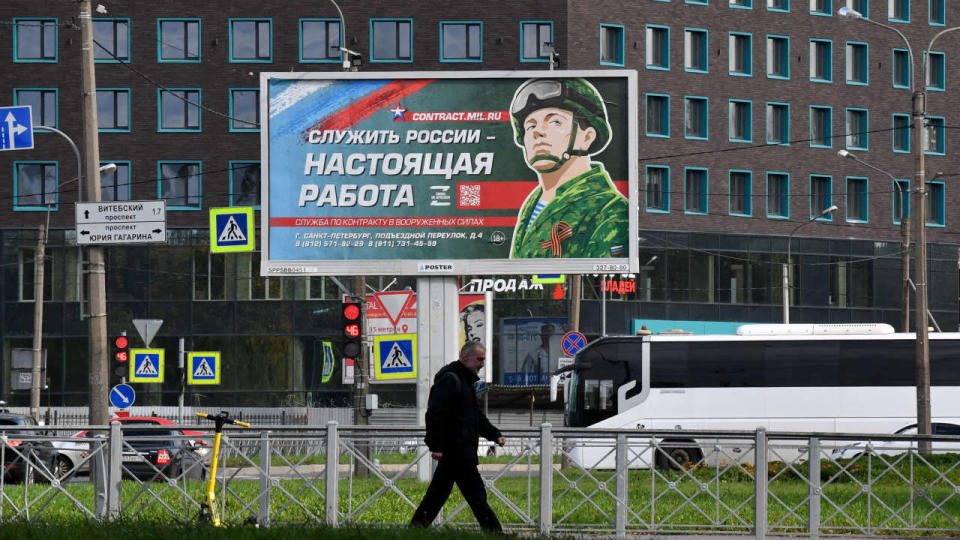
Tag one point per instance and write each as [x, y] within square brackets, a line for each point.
[743, 106]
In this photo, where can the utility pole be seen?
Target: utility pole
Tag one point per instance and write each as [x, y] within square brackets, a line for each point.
[574, 315]
[361, 380]
[919, 177]
[96, 283]
[36, 370]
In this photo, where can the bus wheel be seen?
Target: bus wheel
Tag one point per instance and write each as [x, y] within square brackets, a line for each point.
[672, 456]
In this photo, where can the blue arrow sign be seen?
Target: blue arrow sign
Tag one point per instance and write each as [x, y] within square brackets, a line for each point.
[16, 128]
[122, 396]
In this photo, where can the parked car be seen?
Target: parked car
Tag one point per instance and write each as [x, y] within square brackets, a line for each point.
[20, 451]
[887, 447]
[151, 453]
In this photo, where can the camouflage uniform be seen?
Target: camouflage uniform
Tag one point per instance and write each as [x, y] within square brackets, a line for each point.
[589, 207]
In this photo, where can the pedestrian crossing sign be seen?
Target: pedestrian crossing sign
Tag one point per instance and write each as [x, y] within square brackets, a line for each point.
[203, 367]
[395, 357]
[146, 365]
[231, 229]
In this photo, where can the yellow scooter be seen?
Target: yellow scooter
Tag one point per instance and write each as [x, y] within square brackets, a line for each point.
[208, 510]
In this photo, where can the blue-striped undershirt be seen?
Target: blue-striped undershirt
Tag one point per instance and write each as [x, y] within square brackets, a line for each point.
[536, 212]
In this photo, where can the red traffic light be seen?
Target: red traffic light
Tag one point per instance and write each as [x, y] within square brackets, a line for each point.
[352, 330]
[121, 356]
[121, 343]
[351, 312]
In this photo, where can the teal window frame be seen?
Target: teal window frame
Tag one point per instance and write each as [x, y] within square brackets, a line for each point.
[161, 179]
[741, 4]
[199, 101]
[327, 58]
[901, 69]
[815, 45]
[862, 7]
[115, 92]
[117, 186]
[862, 199]
[703, 129]
[702, 207]
[46, 24]
[785, 125]
[938, 123]
[937, 13]
[398, 58]
[664, 190]
[233, 117]
[747, 194]
[827, 10]
[38, 119]
[936, 204]
[698, 2]
[112, 57]
[661, 35]
[936, 70]
[784, 56]
[898, 199]
[46, 194]
[781, 198]
[664, 119]
[784, 8]
[745, 56]
[616, 31]
[901, 135]
[748, 124]
[233, 166]
[863, 66]
[892, 12]
[539, 25]
[703, 52]
[863, 129]
[467, 58]
[185, 46]
[828, 132]
[257, 55]
[827, 192]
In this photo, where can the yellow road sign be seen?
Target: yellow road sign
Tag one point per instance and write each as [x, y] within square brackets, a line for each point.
[146, 365]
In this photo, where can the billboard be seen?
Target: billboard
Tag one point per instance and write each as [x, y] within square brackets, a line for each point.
[449, 173]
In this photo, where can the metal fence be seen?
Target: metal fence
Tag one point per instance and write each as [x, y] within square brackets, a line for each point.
[548, 481]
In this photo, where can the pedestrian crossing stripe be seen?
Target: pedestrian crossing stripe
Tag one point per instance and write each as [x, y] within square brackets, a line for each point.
[146, 365]
[203, 367]
[231, 229]
[395, 357]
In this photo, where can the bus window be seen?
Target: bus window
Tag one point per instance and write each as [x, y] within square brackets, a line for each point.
[598, 394]
[590, 390]
[606, 395]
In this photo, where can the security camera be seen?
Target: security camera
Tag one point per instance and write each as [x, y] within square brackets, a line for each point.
[101, 10]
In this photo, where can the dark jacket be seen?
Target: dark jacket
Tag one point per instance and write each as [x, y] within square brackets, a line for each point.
[454, 420]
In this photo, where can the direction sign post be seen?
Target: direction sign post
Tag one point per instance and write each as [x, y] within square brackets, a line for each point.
[122, 396]
[121, 222]
[16, 128]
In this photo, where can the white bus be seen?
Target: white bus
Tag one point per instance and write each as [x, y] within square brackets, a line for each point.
[781, 377]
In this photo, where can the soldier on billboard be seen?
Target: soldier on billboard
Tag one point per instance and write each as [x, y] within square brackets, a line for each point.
[576, 211]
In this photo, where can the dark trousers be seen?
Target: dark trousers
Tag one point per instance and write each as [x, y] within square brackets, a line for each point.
[454, 469]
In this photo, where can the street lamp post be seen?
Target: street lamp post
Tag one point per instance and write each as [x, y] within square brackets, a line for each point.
[786, 266]
[918, 117]
[904, 234]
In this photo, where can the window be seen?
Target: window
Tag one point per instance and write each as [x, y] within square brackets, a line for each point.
[695, 191]
[821, 60]
[611, 44]
[113, 109]
[695, 117]
[898, 10]
[741, 119]
[35, 185]
[245, 183]
[115, 186]
[695, 50]
[658, 47]
[936, 204]
[179, 184]
[320, 40]
[35, 40]
[251, 40]
[244, 109]
[391, 40]
[901, 68]
[936, 79]
[536, 41]
[701, 2]
[742, 4]
[179, 109]
[179, 40]
[858, 129]
[658, 188]
[658, 115]
[778, 57]
[111, 40]
[43, 102]
[821, 126]
[821, 196]
[860, 6]
[778, 195]
[741, 54]
[209, 274]
[821, 7]
[938, 12]
[901, 200]
[857, 193]
[857, 62]
[778, 5]
[934, 136]
[741, 193]
[778, 123]
[901, 133]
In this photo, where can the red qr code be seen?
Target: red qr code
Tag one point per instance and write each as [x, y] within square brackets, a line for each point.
[469, 195]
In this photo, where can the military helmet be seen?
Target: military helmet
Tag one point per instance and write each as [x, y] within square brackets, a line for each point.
[575, 95]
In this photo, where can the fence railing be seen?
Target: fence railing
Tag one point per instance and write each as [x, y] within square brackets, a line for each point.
[547, 481]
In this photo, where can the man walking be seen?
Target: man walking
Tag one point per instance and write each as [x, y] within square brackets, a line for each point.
[454, 426]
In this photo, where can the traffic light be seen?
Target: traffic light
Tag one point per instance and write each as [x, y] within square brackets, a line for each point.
[121, 355]
[350, 311]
